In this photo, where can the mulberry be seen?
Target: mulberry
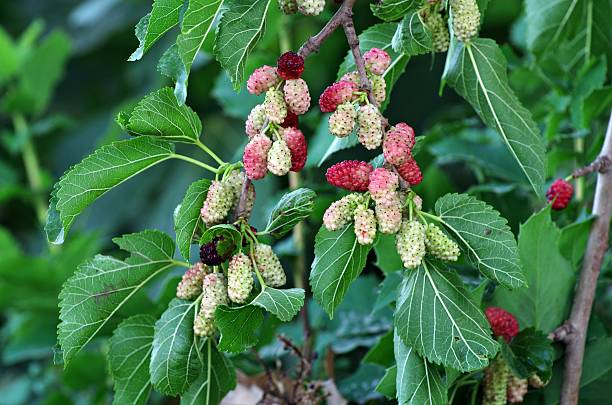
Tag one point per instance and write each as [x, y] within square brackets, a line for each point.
[297, 96]
[262, 79]
[466, 19]
[379, 88]
[502, 322]
[256, 120]
[336, 94]
[382, 185]
[341, 212]
[291, 120]
[376, 61]
[279, 158]
[287, 6]
[209, 254]
[214, 293]
[370, 132]
[411, 172]
[296, 141]
[290, 66]
[218, 203]
[239, 278]
[269, 266]
[191, 284]
[255, 157]
[410, 243]
[516, 389]
[352, 175]
[365, 225]
[495, 381]
[310, 7]
[439, 245]
[352, 76]
[396, 147]
[407, 131]
[342, 121]
[439, 30]
[560, 194]
[275, 106]
[389, 216]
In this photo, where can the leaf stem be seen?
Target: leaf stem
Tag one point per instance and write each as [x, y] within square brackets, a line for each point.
[209, 152]
[195, 162]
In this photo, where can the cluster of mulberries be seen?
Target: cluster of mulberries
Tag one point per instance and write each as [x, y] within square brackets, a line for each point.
[351, 109]
[306, 7]
[397, 149]
[275, 142]
[223, 197]
[433, 18]
[501, 386]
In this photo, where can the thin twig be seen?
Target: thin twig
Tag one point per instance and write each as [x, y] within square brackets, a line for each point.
[583, 300]
[353, 42]
[600, 165]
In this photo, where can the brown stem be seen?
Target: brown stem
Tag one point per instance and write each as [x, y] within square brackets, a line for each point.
[600, 165]
[353, 42]
[583, 300]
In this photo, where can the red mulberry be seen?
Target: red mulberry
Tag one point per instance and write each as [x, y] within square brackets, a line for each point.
[255, 157]
[296, 141]
[560, 193]
[336, 94]
[290, 66]
[502, 322]
[352, 175]
[410, 172]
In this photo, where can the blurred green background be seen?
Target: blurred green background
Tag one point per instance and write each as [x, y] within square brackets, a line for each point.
[87, 44]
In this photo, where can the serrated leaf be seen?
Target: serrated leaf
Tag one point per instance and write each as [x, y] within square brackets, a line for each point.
[417, 382]
[412, 36]
[530, 352]
[106, 168]
[292, 208]
[216, 379]
[171, 65]
[485, 235]
[436, 316]
[198, 25]
[160, 115]
[285, 304]
[549, 275]
[379, 36]
[102, 285]
[238, 327]
[188, 217]
[338, 261]
[338, 144]
[163, 16]
[240, 28]
[175, 363]
[53, 227]
[477, 71]
[129, 354]
[389, 10]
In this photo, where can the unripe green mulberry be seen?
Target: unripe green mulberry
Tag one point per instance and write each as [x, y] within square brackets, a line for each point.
[439, 30]
[439, 245]
[310, 7]
[370, 133]
[495, 380]
[279, 158]
[214, 293]
[365, 225]
[342, 121]
[275, 106]
[239, 278]
[379, 88]
[341, 212]
[269, 266]
[288, 6]
[410, 243]
[191, 284]
[389, 215]
[516, 389]
[218, 203]
[466, 19]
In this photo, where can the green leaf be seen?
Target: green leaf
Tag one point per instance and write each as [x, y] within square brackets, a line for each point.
[164, 15]
[8, 55]
[573, 240]
[285, 304]
[337, 144]
[53, 227]
[417, 381]
[171, 65]
[549, 275]
[187, 219]
[549, 22]
[379, 36]
[292, 208]
[387, 291]
[160, 115]
[485, 235]
[591, 77]
[382, 352]
[240, 28]
[436, 316]
[216, 379]
[129, 354]
[175, 362]
[238, 327]
[477, 71]
[412, 36]
[386, 385]
[387, 258]
[106, 168]
[389, 10]
[102, 285]
[338, 261]
[530, 352]
[198, 25]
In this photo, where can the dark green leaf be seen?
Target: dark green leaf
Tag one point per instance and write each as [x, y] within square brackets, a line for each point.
[412, 36]
[338, 261]
[573, 241]
[285, 304]
[382, 352]
[530, 352]
[387, 258]
[238, 327]
[388, 291]
[164, 15]
[188, 219]
[292, 208]
[386, 386]
[171, 65]
[389, 10]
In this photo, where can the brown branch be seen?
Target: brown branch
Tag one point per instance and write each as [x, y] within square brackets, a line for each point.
[583, 300]
[353, 42]
[600, 165]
